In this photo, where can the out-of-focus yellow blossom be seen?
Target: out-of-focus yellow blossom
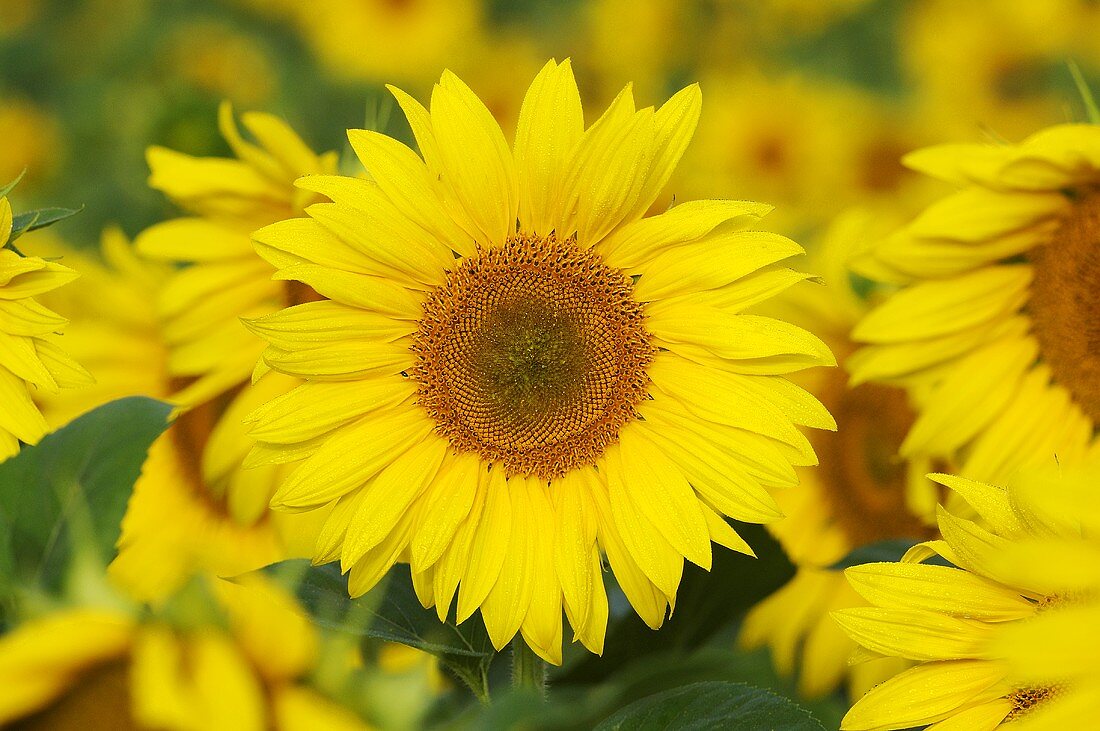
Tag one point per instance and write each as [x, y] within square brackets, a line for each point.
[113, 329]
[860, 493]
[984, 67]
[210, 351]
[31, 357]
[791, 141]
[222, 62]
[194, 508]
[777, 20]
[1008, 636]
[29, 141]
[15, 15]
[240, 670]
[381, 40]
[655, 42]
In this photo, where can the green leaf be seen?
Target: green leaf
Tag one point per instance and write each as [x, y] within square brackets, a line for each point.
[40, 218]
[1087, 98]
[392, 613]
[64, 498]
[11, 186]
[713, 705]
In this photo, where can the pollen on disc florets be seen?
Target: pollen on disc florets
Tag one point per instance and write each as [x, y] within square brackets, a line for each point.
[1063, 303]
[533, 355]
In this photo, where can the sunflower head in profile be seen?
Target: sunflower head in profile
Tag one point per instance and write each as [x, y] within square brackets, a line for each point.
[994, 321]
[518, 372]
[31, 358]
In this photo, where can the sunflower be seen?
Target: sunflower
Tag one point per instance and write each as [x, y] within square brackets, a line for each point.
[241, 668]
[30, 358]
[789, 140]
[981, 65]
[860, 494]
[1009, 632]
[193, 508]
[195, 505]
[994, 321]
[224, 280]
[497, 404]
[377, 39]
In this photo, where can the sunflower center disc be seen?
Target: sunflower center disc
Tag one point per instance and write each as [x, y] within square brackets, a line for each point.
[98, 700]
[865, 482]
[533, 355]
[1064, 307]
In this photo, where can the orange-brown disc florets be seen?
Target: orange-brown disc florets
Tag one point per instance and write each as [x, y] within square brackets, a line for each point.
[1063, 303]
[865, 482]
[533, 355]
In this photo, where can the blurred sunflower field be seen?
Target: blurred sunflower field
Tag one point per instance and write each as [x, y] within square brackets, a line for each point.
[518, 364]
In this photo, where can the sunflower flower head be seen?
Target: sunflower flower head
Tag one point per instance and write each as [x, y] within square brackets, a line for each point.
[195, 506]
[860, 493]
[228, 656]
[1008, 631]
[223, 279]
[518, 372]
[31, 358]
[994, 321]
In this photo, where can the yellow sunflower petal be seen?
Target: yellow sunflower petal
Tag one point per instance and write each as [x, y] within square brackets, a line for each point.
[964, 404]
[475, 158]
[614, 124]
[192, 239]
[989, 501]
[740, 337]
[660, 561]
[917, 634]
[314, 323]
[660, 491]
[509, 599]
[453, 564]
[574, 543]
[304, 241]
[447, 505]
[551, 123]
[923, 694]
[541, 627]
[674, 126]
[711, 262]
[405, 180]
[357, 290]
[985, 717]
[350, 457]
[938, 589]
[489, 546]
[941, 307]
[636, 242]
[389, 496]
[285, 420]
[648, 601]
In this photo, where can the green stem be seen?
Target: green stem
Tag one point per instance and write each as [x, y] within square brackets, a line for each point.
[528, 669]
